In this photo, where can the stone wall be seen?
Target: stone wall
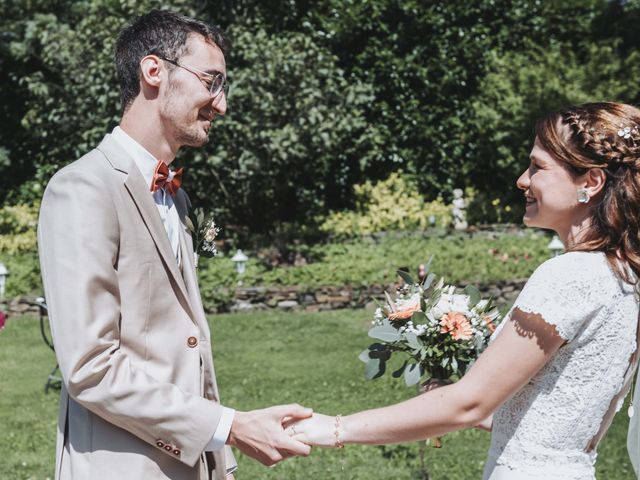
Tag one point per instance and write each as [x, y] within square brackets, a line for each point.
[332, 298]
[315, 300]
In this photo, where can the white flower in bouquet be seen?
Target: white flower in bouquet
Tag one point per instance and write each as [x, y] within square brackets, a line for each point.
[405, 307]
[378, 316]
[439, 332]
[451, 302]
[409, 327]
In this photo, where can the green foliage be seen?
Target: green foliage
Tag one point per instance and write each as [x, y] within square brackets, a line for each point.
[24, 274]
[438, 332]
[358, 263]
[18, 228]
[391, 204]
[325, 95]
[487, 207]
[218, 280]
[59, 87]
[293, 135]
[522, 86]
[278, 358]
[369, 261]
[19, 250]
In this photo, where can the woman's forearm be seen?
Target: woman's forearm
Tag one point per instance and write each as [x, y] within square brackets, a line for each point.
[433, 413]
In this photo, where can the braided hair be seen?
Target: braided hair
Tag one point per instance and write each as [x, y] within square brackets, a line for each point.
[606, 136]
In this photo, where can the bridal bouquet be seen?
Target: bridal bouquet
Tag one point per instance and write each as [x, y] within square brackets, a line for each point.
[438, 330]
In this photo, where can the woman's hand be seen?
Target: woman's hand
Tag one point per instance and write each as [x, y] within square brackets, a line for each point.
[318, 430]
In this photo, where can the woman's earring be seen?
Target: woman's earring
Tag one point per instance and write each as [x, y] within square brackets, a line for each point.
[583, 195]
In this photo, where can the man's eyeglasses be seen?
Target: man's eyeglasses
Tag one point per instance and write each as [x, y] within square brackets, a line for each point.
[215, 83]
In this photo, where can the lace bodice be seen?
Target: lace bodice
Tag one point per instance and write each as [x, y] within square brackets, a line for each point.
[544, 430]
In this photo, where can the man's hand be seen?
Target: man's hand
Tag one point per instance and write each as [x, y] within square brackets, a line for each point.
[260, 433]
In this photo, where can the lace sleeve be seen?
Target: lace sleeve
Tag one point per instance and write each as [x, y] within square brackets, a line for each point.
[563, 292]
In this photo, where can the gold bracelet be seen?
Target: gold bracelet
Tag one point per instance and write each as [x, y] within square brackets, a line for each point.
[338, 443]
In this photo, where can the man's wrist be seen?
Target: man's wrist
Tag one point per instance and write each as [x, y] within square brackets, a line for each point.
[237, 419]
[221, 434]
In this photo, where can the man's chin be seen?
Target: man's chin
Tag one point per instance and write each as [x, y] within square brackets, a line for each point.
[195, 140]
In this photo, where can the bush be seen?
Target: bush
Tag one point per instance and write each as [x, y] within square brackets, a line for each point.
[19, 249]
[459, 258]
[18, 228]
[218, 281]
[391, 204]
[24, 274]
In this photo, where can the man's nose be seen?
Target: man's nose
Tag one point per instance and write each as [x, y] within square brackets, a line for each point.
[219, 103]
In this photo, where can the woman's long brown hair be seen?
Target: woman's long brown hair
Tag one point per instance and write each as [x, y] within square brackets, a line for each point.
[593, 136]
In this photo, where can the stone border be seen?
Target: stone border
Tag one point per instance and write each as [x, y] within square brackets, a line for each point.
[333, 298]
[316, 300]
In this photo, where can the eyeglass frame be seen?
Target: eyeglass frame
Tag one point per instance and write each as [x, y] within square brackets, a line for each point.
[225, 84]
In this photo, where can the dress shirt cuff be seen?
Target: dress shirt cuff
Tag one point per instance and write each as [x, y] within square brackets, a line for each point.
[221, 434]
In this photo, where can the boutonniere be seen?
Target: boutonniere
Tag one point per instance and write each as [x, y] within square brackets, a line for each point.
[203, 231]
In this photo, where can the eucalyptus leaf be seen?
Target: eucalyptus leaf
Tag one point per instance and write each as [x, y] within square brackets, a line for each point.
[389, 300]
[408, 279]
[412, 340]
[412, 374]
[428, 280]
[385, 333]
[364, 356]
[372, 369]
[504, 311]
[382, 354]
[473, 293]
[400, 371]
[189, 225]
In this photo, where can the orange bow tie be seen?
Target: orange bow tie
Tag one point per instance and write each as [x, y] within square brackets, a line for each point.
[164, 178]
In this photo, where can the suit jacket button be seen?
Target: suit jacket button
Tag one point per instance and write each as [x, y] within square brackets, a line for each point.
[192, 341]
[160, 444]
[176, 452]
[168, 448]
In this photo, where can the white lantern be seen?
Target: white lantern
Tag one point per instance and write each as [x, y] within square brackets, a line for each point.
[555, 246]
[240, 259]
[3, 279]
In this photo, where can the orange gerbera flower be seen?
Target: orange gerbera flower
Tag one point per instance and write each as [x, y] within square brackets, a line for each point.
[457, 325]
[405, 313]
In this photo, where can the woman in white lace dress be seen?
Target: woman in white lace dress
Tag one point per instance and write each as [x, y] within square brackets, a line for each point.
[558, 368]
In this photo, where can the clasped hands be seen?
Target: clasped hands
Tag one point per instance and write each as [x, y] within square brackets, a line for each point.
[273, 434]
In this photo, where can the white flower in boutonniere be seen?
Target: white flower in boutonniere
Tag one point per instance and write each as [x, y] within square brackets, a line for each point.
[204, 232]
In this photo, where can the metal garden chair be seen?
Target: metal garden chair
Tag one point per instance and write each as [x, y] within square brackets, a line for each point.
[54, 380]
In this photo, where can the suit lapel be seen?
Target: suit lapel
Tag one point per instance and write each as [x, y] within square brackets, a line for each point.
[143, 200]
[188, 265]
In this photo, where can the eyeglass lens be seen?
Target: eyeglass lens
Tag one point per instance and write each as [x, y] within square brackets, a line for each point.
[217, 85]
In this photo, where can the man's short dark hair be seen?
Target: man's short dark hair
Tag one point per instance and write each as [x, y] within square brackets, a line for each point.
[162, 33]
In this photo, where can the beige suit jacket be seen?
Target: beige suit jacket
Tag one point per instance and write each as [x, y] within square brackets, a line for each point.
[139, 398]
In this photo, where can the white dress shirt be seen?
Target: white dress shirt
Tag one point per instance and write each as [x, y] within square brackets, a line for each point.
[146, 163]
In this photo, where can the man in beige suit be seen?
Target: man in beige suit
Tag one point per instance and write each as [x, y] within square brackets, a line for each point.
[139, 398]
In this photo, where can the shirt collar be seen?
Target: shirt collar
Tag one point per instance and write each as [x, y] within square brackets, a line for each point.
[144, 160]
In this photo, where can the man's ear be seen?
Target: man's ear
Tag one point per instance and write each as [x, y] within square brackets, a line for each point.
[151, 71]
[595, 179]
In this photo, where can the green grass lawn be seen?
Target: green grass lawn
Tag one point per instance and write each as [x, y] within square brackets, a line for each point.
[264, 359]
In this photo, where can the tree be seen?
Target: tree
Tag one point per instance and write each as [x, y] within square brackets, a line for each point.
[293, 138]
